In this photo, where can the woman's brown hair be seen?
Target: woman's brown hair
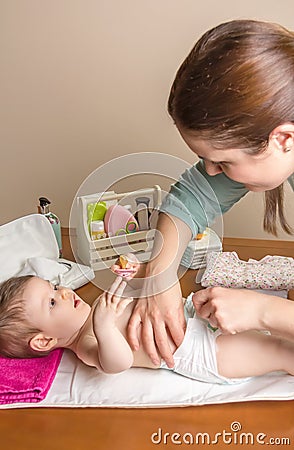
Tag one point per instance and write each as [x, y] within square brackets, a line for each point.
[234, 88]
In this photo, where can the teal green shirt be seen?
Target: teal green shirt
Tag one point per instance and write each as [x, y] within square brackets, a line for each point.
[198, 198]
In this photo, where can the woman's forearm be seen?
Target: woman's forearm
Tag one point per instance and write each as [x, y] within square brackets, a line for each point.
[171, 240]
[278, 317]
[160, 309]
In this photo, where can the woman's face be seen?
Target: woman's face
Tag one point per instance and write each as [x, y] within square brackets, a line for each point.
[262, 172]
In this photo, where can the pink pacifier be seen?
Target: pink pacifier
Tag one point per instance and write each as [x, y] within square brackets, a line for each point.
[125, 267]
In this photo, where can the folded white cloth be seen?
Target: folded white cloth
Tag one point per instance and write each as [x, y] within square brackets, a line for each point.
[28, 247]
[61, 272]
[227, 270]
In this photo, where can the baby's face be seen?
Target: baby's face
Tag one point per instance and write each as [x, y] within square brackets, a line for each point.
[56, 311]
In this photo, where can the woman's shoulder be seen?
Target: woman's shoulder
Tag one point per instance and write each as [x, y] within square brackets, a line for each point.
[226, 190]
[291, 181]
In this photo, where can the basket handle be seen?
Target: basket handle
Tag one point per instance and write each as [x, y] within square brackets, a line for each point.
[155, 190]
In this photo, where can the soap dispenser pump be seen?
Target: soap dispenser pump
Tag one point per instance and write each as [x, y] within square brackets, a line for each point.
[53, 219]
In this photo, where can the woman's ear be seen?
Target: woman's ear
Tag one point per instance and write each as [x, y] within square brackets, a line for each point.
[283, 137]
[42, 343]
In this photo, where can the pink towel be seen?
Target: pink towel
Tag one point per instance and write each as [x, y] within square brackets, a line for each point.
[27, 380]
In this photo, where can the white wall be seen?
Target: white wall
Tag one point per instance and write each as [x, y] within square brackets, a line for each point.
[84, 81]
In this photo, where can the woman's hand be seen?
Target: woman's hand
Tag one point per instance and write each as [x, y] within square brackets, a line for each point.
[159, 316]
[231, 310]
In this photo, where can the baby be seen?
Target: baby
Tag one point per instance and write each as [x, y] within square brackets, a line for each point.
[37, 317]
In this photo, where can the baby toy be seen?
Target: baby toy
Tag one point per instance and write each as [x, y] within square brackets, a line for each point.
[119, 220]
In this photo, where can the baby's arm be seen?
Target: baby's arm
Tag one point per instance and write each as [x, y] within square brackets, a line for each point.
[253, 353]
[114, 352]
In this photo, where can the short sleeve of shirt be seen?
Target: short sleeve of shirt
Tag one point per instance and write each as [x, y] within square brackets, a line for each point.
[198, 198]
[291, 181]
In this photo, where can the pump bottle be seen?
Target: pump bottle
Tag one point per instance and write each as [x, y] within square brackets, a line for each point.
[53, 219]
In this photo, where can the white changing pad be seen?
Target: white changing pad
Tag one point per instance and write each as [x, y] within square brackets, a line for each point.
[77, 385]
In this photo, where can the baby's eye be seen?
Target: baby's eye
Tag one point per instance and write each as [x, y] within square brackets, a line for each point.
[52, 303]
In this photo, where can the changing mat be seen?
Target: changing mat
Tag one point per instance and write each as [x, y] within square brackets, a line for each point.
[77, 385]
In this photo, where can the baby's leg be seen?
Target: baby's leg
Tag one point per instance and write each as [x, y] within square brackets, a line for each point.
[252, 354]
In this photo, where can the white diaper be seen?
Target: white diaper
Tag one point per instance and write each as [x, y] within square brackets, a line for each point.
[196, 356]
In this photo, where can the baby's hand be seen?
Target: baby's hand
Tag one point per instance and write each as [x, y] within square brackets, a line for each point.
[126, 266]
[111, 305]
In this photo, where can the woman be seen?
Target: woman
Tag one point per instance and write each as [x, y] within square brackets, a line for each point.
[233, 103]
